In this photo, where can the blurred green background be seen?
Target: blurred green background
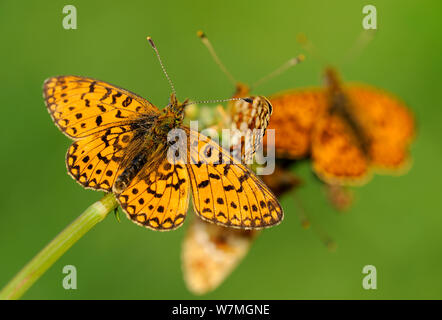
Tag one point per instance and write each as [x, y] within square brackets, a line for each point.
[394, 225]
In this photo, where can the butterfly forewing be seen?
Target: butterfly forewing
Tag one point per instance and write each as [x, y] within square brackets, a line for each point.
[387, 122]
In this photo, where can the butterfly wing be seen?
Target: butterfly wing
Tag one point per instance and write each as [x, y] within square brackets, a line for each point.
[95, 161]
[100, 118]
[158, 196]
[388, 124]
[225, 191]
[248, 121]
[83, 106]
[293, 118]
[336, 153]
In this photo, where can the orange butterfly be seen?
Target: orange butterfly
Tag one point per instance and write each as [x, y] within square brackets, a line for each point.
[122, 145]
[348, 130]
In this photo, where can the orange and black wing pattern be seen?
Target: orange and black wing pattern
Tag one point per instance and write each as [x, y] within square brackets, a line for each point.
[97, 116]
[96, 160]
[225, 191]
[158, 196]
[83, 106]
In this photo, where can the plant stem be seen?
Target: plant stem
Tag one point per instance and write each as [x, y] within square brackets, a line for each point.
[57, 247]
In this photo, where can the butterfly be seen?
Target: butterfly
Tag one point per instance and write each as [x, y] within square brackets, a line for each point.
[348, 130]
[123, 144]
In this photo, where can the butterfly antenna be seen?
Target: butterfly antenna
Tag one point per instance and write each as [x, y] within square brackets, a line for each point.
[361, 42]
[215, 57]
[290, 63]
[161, 63]
[248, 100]
[328, 242]
[308, 46]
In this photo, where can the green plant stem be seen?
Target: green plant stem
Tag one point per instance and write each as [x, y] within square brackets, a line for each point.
[57, 247]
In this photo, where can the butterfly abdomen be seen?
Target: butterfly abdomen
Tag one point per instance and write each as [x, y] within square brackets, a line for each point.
[340, 105]
[130, 172]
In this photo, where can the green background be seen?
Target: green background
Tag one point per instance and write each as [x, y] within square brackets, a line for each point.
[394, 225]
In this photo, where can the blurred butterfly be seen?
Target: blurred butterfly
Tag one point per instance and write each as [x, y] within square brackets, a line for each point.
[123, 144]
[348, 130]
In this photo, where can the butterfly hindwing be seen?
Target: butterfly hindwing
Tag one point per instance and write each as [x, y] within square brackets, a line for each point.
[113, 128]
[337, 155]
[227, 192]
[95, 161]
[158, 196]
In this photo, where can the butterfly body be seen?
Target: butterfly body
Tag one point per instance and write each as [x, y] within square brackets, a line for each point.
[340, 106]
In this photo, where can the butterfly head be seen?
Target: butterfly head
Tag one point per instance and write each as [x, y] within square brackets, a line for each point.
[332, 80]
[241, 90]
[172, 115]
[176, 108]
